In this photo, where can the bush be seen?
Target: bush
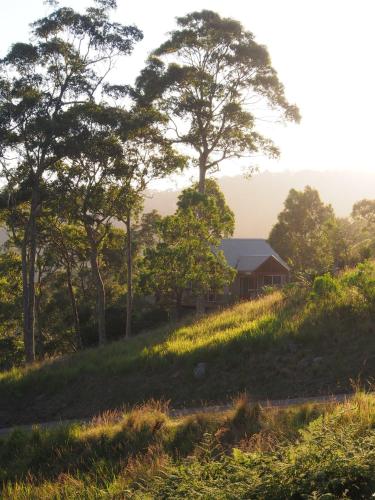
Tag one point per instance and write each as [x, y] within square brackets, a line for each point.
[325, 286]
[363, 280]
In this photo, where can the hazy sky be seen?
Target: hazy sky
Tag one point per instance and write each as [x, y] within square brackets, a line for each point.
[323, 51]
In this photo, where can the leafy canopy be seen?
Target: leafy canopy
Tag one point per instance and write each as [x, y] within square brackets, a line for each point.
[208, 76]
[185, 255]
[303, 233]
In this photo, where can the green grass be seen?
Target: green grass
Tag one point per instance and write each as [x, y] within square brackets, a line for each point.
[333, 457]
[291, 343]
[295, 343]
[308, 451]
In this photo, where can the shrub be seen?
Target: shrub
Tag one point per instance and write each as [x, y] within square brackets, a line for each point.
[325, 286]
[363, 280]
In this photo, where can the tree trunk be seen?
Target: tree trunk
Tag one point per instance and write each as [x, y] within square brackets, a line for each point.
[31, 284]
[179, 306]
[129, 277]
[27, 338]
[200, 300]
[28, 278]
[32, 262]
[100, 291]
[202, 177]
[73, 302]
[38, 299]
[200, 306]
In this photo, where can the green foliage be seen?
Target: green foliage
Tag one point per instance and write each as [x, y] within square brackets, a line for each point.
[352, 242]
[184, 256]
[10, 285]
[10, 310]
[365, 210]
[363, 279]
[303, 233]
[211, 207]
[333, 458]
[324, 286]
[203, 74]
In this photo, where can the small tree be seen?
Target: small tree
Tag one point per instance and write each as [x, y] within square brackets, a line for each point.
[363, 214]
[303, 233]
[146, 155]
[352, 241]
[185, 257]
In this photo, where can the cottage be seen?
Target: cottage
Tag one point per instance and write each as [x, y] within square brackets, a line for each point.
[257, 266]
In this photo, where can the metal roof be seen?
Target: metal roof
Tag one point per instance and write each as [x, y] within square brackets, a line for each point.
[247, 254]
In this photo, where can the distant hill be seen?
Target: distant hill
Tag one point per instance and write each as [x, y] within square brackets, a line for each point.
[256, 202]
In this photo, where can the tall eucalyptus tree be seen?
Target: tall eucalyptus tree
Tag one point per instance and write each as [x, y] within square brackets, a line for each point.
[66, 62]
[213, 79]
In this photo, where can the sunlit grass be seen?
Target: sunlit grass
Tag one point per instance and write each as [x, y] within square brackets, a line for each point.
[288, 343]
[248, 452]
[245, 319]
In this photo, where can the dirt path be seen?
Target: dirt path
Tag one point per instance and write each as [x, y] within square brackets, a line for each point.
[265, 403]
[182, 412]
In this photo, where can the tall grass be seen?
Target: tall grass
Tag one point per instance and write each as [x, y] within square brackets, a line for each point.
[333, 457]
[309, 451]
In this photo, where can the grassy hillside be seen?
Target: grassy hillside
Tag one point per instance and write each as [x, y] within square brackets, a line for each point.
[298, 342]
[311, 451]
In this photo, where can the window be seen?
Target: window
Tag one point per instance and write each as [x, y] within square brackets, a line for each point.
[276, 280]
[271, 280]
[267, 280]
[211, 297]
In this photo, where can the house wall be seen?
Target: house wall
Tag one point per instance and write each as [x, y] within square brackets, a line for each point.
[272, 266]
[234, 292]
[255, 280]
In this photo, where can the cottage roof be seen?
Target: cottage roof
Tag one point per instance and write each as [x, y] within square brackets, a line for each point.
[247, 254]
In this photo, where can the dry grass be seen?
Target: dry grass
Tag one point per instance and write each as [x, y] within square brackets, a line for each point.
[127, 455]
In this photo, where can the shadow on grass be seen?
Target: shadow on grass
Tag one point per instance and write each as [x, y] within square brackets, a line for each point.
[104, 448]
[269, 348]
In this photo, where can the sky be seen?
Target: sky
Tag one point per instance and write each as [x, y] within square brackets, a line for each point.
[321, 49]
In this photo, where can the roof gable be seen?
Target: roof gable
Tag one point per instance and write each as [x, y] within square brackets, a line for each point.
[272, 266]
[247, 254]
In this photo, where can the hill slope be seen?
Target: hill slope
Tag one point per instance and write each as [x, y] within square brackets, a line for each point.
[297, 343]
[256, 202]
